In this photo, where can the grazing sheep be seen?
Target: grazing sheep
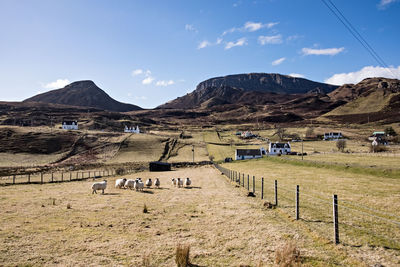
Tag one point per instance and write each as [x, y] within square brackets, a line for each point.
[173, 181]
[179, 182]
[188, 182]
[157, 183]
[99, 186]
[139, 185]
[149, 183]
[120, 183]
[130, 184]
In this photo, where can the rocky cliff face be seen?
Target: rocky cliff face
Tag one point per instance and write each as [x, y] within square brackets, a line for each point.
[83, 94]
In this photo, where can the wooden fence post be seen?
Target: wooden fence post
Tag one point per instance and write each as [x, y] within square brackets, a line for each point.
[248, 182]
[14, 179]
[62, 176]
[297, 202]
[276, 193]
[336, 219]
[41, 177]
[76, 176]
[254, 184]
[89, 174]
[262, 188]
[29, 178]
[70, 176]
[52, 177]
[243, 179]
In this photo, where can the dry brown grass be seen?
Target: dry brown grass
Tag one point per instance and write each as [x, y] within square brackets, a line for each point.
[182, 257]
[288, 255]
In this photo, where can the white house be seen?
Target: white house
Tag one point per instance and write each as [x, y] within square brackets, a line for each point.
[248, 154]
[279, 148]
[132, 129]
[70, 125]
[332, 136]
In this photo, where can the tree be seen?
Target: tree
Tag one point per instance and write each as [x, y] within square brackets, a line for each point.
[280, 132]
[341, 144]
[390, 131]
[310, 132]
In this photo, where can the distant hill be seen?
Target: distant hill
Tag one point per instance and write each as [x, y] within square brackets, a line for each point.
[83, 94]
[372, 99]
[247, 88]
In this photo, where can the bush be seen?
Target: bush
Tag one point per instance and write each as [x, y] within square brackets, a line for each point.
[120, 171]
[341, 145]
[182, 255]
[288, 255]
[390, 131]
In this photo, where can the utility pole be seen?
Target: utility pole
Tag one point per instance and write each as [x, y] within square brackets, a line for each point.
[193, 152]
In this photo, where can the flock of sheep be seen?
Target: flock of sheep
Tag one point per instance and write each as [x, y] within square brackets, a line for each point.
[138, 184]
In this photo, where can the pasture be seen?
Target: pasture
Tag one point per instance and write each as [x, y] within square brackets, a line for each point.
[65, 224]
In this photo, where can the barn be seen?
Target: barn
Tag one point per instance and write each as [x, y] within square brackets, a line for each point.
[158, 166]
[248, 154]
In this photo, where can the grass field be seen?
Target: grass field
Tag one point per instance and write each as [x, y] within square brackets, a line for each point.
[222, 226]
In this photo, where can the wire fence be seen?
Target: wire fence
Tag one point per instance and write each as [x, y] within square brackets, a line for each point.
[342, 222]
[60, 176]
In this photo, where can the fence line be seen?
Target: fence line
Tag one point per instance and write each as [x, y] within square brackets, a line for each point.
[352, 217]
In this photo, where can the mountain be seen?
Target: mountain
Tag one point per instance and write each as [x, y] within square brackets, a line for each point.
[83, 94]
[372, 99]
[247, 88]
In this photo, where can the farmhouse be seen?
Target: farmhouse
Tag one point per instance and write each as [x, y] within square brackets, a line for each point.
[247, 154]
[70, 125]
[332, 136]
[131, 129]
[279, 148]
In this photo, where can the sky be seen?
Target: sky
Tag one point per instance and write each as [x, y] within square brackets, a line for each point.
[149, 52]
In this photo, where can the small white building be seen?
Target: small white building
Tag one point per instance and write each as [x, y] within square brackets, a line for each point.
[70, 125]
[279, 148]
[332, 136]
[248, 154]
[132, 129]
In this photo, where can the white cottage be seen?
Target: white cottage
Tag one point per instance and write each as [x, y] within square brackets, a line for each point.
[132, 129]
[279, 148]
[332, 136]
[248, 154]
[70, 125]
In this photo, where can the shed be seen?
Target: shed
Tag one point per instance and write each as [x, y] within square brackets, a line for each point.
[158, 166]
[248, 154]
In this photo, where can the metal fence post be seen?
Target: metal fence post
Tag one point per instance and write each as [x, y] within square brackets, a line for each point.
[254, 184]
[276, 192]
[297, 203]
[262, 188]
[336, 219]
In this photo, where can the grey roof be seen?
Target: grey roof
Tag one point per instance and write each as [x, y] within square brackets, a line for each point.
[248, 152]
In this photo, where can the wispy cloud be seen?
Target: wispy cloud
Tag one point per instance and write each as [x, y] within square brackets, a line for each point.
[250, 26]
[141, 97]
[203, 44]
[296, 75]
[165, 83]
[137, 72]
[325, 52]
[148, 80]
[239, 42]
[278, 61]
[272, 39]
[293, 37]
[385, 3]
[366, 72]
[190, 28]
[60, 83]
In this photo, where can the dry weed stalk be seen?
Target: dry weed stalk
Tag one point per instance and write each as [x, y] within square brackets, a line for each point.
[182, 255]
[288, 255]
[146, 260]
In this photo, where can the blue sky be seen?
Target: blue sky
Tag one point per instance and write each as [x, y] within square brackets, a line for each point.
[149, 52]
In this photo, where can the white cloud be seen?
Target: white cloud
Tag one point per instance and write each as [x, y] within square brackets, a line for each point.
[293, 37]
[384, 3]
[278, 61]
[165, 83]
[203, 44]
[190, 28]
[141, 97]
[250, 26]
[296, 75]
[326, 52]
[239, 42]
[366, 72]
[273, 39]
[60, 83]
[219, 41]
[137, 72]
[148, 80]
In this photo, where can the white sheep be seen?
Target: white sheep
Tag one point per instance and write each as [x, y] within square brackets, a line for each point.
[99, 186]
[120, 183]
[130, 184]
[179, 182]
[149, 182]
[188, 182]
[173, 180]
[139, 185]
[157, 183]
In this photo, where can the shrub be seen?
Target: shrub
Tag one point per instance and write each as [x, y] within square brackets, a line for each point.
[69, 206]
[287, 255]
[182, 255]
[390, 131]
[120, 171]
[341, 144]
[145, 209]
